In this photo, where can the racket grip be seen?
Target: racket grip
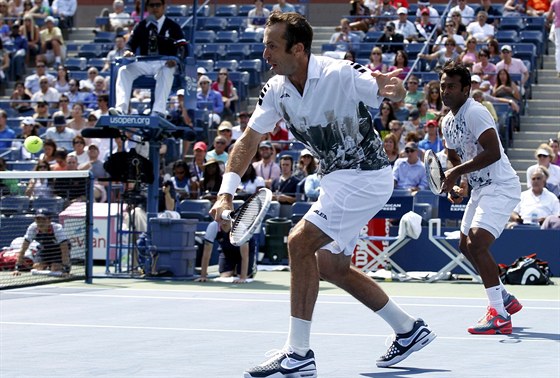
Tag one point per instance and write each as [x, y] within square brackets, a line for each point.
[226, 214]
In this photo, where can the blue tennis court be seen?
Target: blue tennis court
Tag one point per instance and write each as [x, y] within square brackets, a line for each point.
[124, 328]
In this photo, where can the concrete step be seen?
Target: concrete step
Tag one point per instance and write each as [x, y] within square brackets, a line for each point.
[538, 95]
[531, 144]
[529, 134]
[539, 119]
[522, 164]
[521, 153]
[545, 87]
[543, 109]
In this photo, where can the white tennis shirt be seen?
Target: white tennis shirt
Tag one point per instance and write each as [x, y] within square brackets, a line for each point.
[461, 133]
[330, 117]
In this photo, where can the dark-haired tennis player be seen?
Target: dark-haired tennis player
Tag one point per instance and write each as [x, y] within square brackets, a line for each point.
[322, 101]
[475, 152]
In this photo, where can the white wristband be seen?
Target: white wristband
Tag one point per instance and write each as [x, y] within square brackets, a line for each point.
[230, 182]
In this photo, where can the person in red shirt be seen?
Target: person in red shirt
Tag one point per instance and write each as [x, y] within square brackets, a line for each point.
[279, 134]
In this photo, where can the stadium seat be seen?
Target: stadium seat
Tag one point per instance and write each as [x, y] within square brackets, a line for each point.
[254, 67]
[511, 23]
[226, 10]
[90, 50]
[231, 65]
[203, 11]
[104, 36]
[53, 204]
[244, 9]
[176, 10]
[328, 47]
[238, 51]
[536, 37]
[76, 64]
[195, 208]
[214, 23]
[214, 51]
[413, 49]
[98, 63]
[10, 205]
[204, 36]
[251, 37]
[207, 64]
[507, 36]
[256, 51]
[227, 36]
[373, 36]
[13, 227]
[238, 24]
[241, 82]
[535, 23]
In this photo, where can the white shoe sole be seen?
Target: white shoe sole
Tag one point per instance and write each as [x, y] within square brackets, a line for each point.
[419, 345]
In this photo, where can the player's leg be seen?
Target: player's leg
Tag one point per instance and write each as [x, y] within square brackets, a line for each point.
[487, 223]
[410, 334]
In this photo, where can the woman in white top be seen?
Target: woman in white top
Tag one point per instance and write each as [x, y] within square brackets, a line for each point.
[78, 122]
[257, 17]
[250, 183]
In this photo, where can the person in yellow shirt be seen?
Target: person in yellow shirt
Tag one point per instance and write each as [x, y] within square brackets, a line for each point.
[52, 42]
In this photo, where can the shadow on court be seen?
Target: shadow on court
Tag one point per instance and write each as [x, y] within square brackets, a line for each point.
[405, 372]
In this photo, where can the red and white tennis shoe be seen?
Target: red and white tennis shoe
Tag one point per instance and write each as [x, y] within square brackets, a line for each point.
[492, 323]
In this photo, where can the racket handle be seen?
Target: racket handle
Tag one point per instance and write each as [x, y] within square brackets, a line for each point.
[226, 214]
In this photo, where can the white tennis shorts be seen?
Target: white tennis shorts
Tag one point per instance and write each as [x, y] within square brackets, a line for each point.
[490, 208]
[347, 202]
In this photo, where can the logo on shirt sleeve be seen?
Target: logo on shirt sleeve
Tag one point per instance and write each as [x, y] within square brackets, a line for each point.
[263, 92]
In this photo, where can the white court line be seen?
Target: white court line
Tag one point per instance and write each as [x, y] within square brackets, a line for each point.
[244, 291]
[492, 338]
[256, 300]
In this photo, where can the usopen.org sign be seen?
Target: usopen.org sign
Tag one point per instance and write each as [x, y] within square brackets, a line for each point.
[129, 121]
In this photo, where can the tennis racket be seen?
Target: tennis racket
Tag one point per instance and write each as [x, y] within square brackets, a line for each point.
[247, 219]
[435, 174]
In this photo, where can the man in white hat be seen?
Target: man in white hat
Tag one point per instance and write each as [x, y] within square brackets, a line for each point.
[52, 42]
[209, 99]
[404, 26]
[513, 65]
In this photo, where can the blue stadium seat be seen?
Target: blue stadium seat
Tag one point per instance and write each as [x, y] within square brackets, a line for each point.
[195, 208]
[13, 227]
[104, 36]
[537, 38]
[535, 23]
[76, 64]
[241, 82]
[207, 64]
[176, 10]
[204, 36]
[511, 23]
[230, 64]
[254, 67]
[413, 49]
[373, 36]
[214, 23]
[244, 9]
[299, 209]
[256, 51]
[439, 7]
[53, 204]
[90, 50]
[328, 47]
[507, 36]
[238, 24]
[226, 10]
[10, 205]
[250, 37]
[227, 36]
[98, 63]
[203, 11]
[214, 51]
[238, 51]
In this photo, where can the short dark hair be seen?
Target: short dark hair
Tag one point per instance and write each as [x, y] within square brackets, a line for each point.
[452, 68]
[287, 157]
[298, 29]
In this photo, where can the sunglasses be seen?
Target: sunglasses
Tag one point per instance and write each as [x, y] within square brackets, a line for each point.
[179, 172]
[63, 101]
[542, 156]
[413, 82]
[220, 142]
[155, 5]
[78, 143]
[449, 44]
[222, 73]
[375, 53]
[436, 92]
[536, 178]
[408, 150]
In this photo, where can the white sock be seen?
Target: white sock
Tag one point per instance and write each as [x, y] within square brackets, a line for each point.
[396, 317]
[503, 290]
[298, 335]
[495, 299]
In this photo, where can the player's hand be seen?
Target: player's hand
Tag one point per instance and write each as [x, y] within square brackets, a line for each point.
[451, 178]
[224, 202]
[240, 280]
[201, 279]
[390, 86]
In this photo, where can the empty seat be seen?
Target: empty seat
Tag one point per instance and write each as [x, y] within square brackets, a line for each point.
[176, 10]
[254, 67]
[204, 36]
[250, 37]
[53, 204]
[238, 51]
[226, 10]
[299, 209]
[244, 9]
[90, 51]
[227, 36]
[195, 208]
[214, 51]
[511, 23]
[98, 63]
[78, 64]
[507, 36]
[231, 65]
[14, 204]
[238, 24]
[207, 64]
[214, 23]
[104, 36]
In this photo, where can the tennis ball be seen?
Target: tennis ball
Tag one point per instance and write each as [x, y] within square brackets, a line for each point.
[33, 144]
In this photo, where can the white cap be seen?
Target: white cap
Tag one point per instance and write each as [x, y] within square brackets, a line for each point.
[49, 19]
[476, 78]
[28, 121]
[305, 152]
[180, 92]
[402, 10]
[201, 70]
[542, 151]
